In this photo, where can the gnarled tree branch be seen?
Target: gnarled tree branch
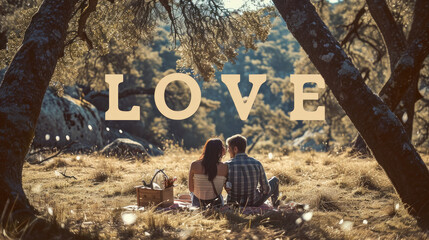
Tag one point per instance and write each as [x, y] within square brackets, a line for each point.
[91, 7]
[393, 35]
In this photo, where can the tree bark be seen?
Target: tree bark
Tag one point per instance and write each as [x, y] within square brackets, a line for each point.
[21, 95]
[405, 110]
[393, 35]
[3, 39]
[401, 53]
[381, 129]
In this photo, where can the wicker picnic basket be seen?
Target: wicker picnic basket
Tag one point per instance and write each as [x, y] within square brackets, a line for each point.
[147, 195]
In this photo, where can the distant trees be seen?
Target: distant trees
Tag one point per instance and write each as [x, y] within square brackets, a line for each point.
[143, 66]
[275, 58]
[145, 57]
[381, 129]
[267, 127]
[126, 38]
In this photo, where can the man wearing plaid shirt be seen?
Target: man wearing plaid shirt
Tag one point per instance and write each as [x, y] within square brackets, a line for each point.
[247, 184]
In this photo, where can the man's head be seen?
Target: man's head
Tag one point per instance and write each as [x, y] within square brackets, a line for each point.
[236, 144]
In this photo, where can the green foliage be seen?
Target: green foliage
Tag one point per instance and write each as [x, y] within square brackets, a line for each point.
[267, 125]
[273, 57]
[147, 40]
[14, 18]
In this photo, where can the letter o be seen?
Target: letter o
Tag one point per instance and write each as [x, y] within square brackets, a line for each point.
[160, 96]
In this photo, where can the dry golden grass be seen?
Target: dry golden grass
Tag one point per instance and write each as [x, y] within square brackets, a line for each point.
[336, 187]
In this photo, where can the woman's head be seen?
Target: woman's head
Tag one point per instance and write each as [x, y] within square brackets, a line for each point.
[212, 153]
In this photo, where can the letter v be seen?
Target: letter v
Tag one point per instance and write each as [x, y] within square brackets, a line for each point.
[232, 80]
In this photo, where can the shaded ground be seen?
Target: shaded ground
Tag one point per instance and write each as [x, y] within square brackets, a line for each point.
[338, 189]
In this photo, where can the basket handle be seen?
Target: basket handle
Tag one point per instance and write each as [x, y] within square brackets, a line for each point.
[153, 178]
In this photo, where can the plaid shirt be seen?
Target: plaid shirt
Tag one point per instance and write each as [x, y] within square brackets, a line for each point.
[245, 173]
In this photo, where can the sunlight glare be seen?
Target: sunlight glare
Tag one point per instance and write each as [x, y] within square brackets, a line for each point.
[347, 226]
[128, 218]
[51, 211]
[307, 216]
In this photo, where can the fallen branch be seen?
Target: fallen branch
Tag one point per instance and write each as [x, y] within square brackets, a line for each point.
[38, 151]
[66, 176]
[58, 153]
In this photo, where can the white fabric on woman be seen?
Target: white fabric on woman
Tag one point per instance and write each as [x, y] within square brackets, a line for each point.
[203, 188]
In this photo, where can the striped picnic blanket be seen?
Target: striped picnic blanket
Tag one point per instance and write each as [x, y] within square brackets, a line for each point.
[184, 203]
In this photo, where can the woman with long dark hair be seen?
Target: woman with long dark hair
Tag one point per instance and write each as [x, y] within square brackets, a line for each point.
[208, 175]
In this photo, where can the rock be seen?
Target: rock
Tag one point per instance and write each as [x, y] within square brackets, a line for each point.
[79, 147]
[111, 134]
[65, 119]
[311, 141]
[101, 101]
[34, 158]
[125, 148]
[72, 91]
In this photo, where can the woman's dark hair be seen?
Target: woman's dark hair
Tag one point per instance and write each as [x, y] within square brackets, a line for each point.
[211, 156]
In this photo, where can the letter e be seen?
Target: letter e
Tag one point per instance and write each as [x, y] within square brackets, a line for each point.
[299, 113]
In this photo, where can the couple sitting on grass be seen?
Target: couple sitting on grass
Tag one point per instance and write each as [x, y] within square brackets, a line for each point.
[243, 177]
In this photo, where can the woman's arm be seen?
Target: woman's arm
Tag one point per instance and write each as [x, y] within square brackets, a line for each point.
[227, 189]
[222, 170]
[191, 177]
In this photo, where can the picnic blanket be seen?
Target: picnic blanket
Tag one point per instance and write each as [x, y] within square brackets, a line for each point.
[184, 203]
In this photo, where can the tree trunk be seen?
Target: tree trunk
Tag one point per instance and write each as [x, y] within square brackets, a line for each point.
[393, 36]
[359, 147]
[406, 105]
[406, 109]
[254, 143]
[21, 95]
[381, 129]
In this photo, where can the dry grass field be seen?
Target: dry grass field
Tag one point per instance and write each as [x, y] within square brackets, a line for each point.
[338, 189]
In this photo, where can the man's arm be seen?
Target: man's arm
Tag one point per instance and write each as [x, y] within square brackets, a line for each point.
[227, 188]
[263, 181]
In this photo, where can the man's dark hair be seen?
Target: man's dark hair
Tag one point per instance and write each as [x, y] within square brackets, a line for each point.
[237, 141]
